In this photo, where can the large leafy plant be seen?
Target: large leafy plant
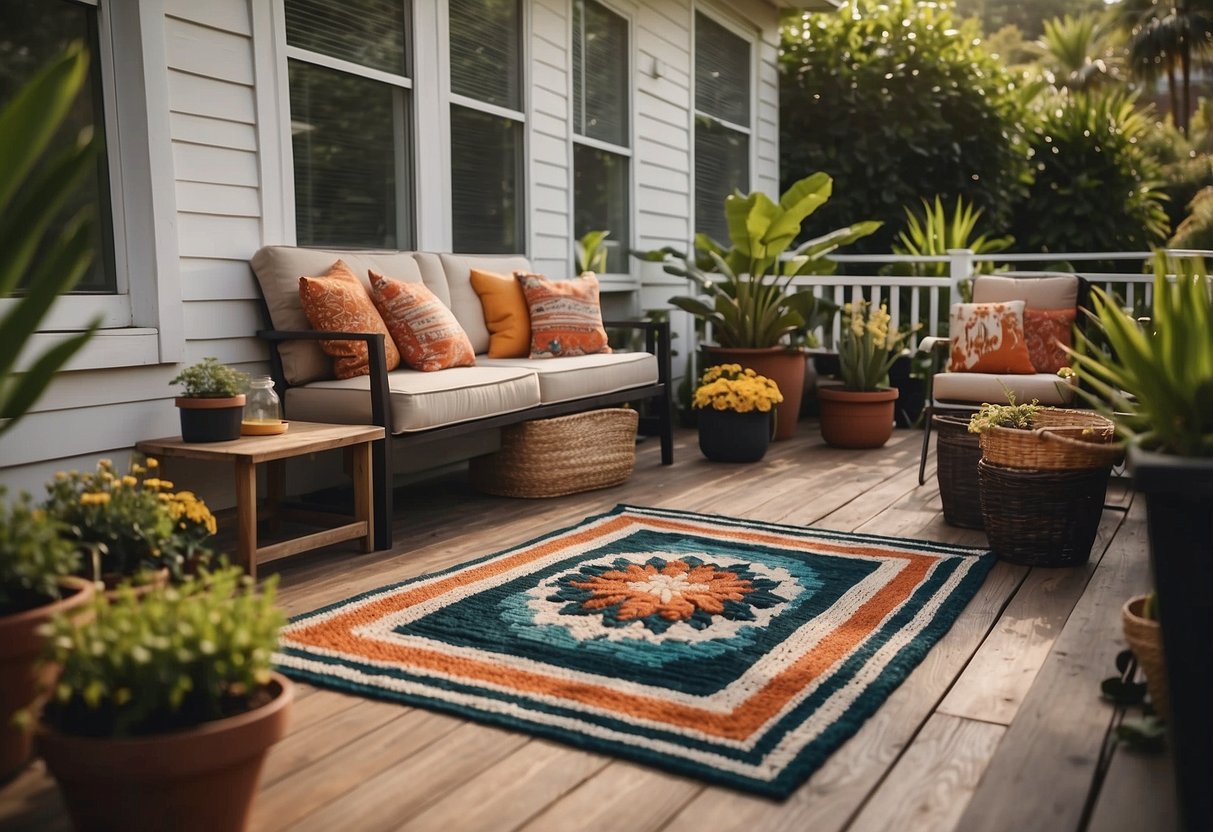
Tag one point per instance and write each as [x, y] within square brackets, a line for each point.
[1156, 379]
[753, 302]
[37, 266]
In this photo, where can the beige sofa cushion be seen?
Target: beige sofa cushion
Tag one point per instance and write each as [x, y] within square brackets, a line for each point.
[420, 401]
[574, 377]
[1048, 388]
[465, 303]
[1038, 290]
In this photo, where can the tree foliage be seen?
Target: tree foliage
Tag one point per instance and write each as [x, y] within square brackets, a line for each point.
[1028, 15]
[896, 101]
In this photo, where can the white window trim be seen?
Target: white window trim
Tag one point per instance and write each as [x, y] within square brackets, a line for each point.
[143, 322]
[621, 279]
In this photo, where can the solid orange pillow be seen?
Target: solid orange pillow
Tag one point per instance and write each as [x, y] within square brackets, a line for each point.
[337, 302]
[505, 314]
[423, 328]
[565, 315]
[988, 338]
[1047, 331]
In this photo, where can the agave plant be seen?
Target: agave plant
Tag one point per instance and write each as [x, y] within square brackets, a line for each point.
[32, 193]
[934, 232]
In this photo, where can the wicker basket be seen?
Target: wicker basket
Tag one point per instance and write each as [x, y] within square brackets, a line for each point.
[1145, 639]
[957, 453]
[563, 455]
[1062, 440]
[1041, 518]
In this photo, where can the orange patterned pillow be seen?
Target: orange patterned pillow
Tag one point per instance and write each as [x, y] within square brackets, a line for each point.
[1047, 331]
[423, 328]
[565, 316]
[337, 302]
[504, 314]
[988, 338]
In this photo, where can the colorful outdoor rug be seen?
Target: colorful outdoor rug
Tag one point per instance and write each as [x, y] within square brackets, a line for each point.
[731, 650]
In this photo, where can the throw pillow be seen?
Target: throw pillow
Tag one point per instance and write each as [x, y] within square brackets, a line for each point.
[423, 328]
[565, 316]
[1047, 331]
[988, 338]
[337, 302]
[505, 314]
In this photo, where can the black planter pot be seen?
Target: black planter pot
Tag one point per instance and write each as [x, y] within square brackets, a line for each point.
[729, 436]
[911, 393]
[210, 420]
[1179, 514]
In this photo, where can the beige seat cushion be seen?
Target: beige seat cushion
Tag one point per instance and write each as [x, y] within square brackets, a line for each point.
[574, 377]
[975, 388]
[420, 401]
[1038, 290]
[465, 303]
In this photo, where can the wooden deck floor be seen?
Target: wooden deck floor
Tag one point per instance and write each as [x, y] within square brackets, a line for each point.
[1000, 728]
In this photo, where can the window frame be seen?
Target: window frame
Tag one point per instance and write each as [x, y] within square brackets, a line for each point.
[142, 321]
[628, 13]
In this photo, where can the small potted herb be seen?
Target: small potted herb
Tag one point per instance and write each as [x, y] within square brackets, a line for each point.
[211, 401]
[166, 705]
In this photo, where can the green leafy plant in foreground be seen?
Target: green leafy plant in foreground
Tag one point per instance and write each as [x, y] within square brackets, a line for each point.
[34, 555]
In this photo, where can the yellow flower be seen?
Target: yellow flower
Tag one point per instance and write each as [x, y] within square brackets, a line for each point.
[129, 481]
[153, 462]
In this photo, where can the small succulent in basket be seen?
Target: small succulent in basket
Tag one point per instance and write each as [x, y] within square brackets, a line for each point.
[1011, 415]
[208, 379]
[132, 524]
[732, 387]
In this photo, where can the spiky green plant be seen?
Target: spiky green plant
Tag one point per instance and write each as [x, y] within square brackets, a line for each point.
[934, 232]
[590, 253]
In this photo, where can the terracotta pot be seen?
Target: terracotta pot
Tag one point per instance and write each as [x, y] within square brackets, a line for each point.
[210, 419]
[783, 365]
[21, 680]
[851, 419]
[729, 436]
[197, 780]
[1145, 640]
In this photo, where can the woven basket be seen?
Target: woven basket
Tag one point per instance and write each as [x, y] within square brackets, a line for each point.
[1145, 639]
[957, 453]
[563, 455]
[1041, 518]
[1062, 439]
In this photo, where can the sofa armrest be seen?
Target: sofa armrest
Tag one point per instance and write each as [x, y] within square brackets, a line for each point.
[380, 399]
[656, 341]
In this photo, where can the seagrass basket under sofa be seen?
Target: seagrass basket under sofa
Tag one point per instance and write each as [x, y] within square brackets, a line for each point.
[422, 409]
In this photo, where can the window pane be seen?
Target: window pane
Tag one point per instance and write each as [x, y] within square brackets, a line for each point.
[367, 32]
[351, 175]
[600, 66]
[32, 33]
[600, 197]
[486, 50]
[722, 163]
[486, 183]
[722, 72]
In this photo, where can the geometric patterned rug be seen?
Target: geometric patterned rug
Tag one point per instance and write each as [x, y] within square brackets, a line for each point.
[735, 651]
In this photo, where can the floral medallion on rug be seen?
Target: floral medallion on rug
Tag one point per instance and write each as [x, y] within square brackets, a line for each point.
[735, 651]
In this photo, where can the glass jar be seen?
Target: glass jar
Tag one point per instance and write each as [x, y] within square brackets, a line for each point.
[262, 406]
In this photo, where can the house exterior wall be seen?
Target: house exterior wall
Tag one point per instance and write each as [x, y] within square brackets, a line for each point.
[230, 184]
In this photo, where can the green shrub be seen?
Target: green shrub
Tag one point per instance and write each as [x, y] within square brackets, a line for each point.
[34, 555]
[210, 379]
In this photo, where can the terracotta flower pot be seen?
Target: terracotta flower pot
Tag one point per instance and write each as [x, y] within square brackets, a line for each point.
[783, 365]
[21, 680]
[197, 780]
[1145, 640]
[210, 419]
[852, 419]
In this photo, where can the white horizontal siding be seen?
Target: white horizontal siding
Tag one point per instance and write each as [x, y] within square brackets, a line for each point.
[208, 198]
[211, 97]
[208, 52]
[224, 15]
[213, 132]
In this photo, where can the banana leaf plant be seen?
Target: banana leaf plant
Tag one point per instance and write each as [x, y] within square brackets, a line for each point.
[36, 267]
[590, 253]
[747, 292]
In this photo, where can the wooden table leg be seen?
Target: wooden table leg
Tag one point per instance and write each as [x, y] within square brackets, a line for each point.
[360, 473]
[275, 493]
[246, 515]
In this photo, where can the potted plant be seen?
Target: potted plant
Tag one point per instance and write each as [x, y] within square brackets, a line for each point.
[36, 565]
[1139, 617]
[735, 408]
[211, 401]
[1156, 381]
[590, 252]
[859, 414]
[132, 525]
[166, 705]
[758, 318]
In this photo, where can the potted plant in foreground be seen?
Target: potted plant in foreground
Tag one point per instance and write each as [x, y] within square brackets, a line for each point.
[758, 318]
[736, 409]
[166, 705]
[1157, 384]
[859, 414]
[211, 401]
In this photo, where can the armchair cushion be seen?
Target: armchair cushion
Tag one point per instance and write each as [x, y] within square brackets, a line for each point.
[1034, 289]
[426, 333]
[1047, 332]
[338, 302]
[988, 338]
[974, 388]
[565, 316]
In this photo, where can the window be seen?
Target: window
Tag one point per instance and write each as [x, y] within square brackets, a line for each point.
[722, 122]
[350, 89]
[601, 152]
[32, 33]
[487, 122]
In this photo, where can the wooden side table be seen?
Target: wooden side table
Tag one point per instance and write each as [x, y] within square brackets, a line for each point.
[300, 438]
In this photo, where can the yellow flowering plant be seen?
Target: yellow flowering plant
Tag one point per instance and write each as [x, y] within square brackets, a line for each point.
[870, 344]
[133, 522]
[732, 387]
